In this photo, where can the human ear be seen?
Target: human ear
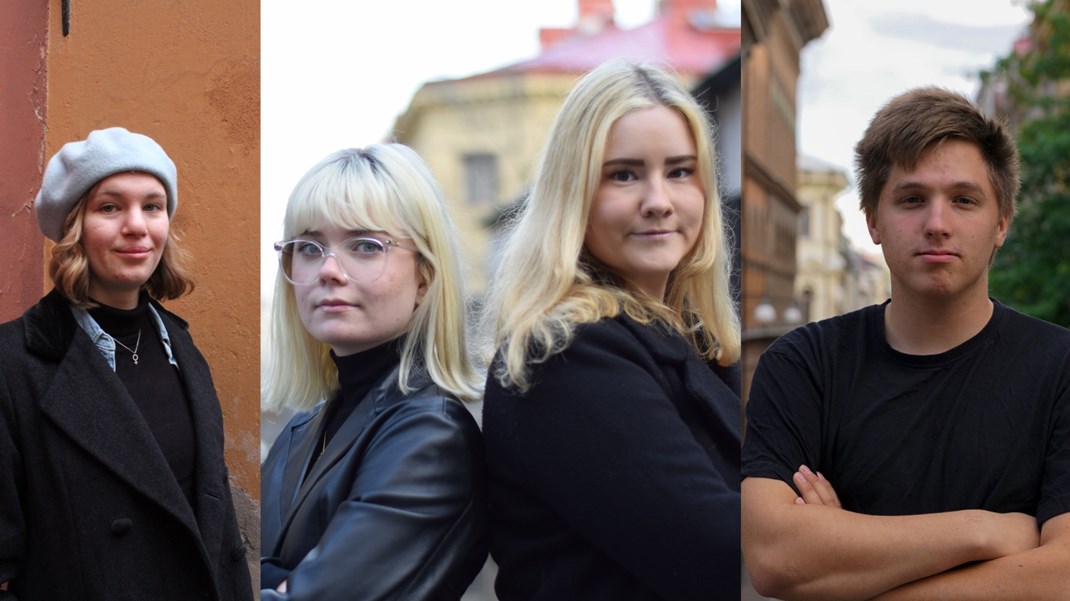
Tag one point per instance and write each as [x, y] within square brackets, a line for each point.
[871, 224]
[1002, 227]
[423, 277]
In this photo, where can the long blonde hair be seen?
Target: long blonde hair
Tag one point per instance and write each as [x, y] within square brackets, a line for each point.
[544, 288]
[383, 187]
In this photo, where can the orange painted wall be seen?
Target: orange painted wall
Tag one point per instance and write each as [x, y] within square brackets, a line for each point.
[186, 73]
[23, 37]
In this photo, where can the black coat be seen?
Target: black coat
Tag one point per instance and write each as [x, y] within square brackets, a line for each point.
[616, 476]
[89, 508]
[394, 508]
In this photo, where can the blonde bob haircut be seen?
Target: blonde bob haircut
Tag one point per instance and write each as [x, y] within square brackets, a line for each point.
[547, 283]
[69, 265]
[380, 188]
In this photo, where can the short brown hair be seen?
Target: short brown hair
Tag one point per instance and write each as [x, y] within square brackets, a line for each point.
[918, 119]
[69, 265]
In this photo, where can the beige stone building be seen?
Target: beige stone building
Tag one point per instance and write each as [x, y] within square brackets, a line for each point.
[482, 136]
[821, 248]
[832, 277]
[868, 282]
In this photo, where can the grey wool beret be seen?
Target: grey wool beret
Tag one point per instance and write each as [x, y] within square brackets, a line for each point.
[78, 166]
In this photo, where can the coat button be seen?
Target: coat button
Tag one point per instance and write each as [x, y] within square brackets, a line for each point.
[238, 553]
[121, 526]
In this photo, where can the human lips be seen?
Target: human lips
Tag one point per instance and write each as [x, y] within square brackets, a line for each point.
[334, 305]
[937, 255]
[654, 234]
[134, 252]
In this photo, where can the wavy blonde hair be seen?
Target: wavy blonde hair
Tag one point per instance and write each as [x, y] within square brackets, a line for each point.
[68, 266]
[383, 187]
[543, 289]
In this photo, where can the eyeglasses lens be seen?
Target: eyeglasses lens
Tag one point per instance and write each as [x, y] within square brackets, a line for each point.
[361, 260]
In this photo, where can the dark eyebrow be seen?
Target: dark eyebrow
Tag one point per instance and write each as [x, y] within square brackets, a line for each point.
[625, 162]
[686, 158]
[350, 233]
[908, 186]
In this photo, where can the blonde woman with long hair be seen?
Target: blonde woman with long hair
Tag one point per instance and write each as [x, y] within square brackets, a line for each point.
[376, 489]
[611, 413]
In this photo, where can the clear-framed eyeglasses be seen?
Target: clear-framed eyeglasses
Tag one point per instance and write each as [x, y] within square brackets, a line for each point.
[362, 259]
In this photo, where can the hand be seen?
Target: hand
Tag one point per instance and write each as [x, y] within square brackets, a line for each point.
[814, 489]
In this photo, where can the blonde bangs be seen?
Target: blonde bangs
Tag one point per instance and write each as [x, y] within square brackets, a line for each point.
[352, 197]
[380, 188]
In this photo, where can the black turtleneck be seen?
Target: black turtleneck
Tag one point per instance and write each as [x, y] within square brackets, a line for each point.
[155, 386]
[357, 373]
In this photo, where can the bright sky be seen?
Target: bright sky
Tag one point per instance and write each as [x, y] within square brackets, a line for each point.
[875, 49]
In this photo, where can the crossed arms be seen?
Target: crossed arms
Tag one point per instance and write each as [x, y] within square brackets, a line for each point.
[807, 547]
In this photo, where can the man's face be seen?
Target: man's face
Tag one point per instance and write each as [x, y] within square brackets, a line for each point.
[939, 223]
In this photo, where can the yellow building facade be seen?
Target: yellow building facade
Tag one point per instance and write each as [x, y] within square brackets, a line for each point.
[820, 248]
[482, 137]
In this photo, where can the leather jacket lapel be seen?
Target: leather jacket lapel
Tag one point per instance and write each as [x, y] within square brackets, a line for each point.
[336, 449]
[301, 444]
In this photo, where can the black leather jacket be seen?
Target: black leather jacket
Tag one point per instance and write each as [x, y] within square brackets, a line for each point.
[394, 508]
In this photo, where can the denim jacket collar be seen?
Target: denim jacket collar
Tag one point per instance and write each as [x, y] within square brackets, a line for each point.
[106, 344]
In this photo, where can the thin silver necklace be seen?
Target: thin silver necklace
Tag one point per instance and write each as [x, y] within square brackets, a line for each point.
[133, 351]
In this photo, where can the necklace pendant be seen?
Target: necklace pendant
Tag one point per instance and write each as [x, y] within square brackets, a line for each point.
[133, 351]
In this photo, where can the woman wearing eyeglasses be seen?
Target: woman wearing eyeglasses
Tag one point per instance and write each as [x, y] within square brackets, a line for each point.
[375, 489]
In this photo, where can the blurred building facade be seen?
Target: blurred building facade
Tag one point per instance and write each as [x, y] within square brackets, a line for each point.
[774, 33]
[867, 281]
[821, 250]
[832, 276]
[720, 93]
[481, 135]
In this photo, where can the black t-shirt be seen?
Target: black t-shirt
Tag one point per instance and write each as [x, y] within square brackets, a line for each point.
[985, 425]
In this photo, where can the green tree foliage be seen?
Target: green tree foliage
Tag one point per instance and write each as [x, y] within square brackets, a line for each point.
[1032, 271]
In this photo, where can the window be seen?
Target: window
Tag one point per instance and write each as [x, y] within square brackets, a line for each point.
[481, 178]
[804, 222]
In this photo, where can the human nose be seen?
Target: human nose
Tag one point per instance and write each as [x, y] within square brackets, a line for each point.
[134, 223]
[656, 201]
[936, 217]
[331, 270]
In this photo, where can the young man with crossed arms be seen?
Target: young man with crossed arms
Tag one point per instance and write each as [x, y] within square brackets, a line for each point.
[918, 449]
